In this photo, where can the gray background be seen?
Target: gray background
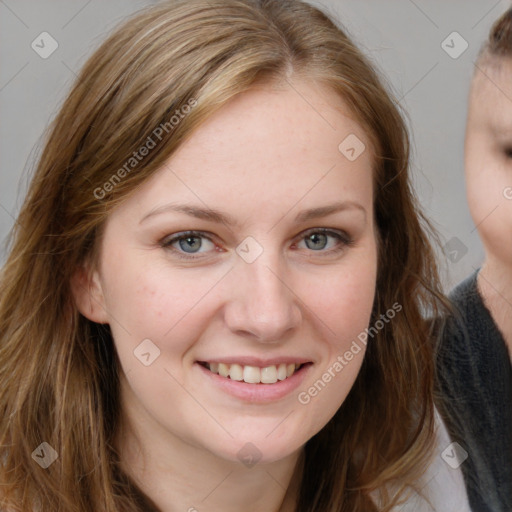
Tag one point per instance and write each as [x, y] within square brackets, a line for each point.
[403, 37]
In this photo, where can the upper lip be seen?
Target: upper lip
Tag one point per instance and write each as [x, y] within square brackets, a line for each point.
[256, 361]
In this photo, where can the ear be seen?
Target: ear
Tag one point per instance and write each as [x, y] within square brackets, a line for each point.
[88, 294]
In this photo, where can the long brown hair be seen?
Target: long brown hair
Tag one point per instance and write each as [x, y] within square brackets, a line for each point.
[59, 371]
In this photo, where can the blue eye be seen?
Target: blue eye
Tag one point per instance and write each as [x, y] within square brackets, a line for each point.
[316, 241]
[320, 239]
[189, 242]
[195, 244]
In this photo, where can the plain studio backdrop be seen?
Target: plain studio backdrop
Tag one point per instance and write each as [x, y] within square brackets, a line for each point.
[425, 48]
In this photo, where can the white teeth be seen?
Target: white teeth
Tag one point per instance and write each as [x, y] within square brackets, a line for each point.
[254, 374]
[281, 371]
[269, 375]
[236, 372]
[223, 370]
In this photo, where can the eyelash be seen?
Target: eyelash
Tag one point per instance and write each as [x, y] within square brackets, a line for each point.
[344, 241]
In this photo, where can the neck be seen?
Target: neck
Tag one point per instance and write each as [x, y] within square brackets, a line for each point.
[495, 286]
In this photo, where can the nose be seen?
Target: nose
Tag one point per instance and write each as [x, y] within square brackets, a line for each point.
[262, 304]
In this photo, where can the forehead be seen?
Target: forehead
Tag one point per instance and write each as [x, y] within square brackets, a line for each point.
[266, 151]
[301, 112]
[274, 133]
[491, 89]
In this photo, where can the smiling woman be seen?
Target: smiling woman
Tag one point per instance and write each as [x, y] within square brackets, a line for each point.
[156, 341]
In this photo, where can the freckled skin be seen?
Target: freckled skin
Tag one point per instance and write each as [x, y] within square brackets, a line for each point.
[263, 158]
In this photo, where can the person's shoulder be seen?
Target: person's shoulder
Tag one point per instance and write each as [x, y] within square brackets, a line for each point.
[466, 289]
[464, 298]
[454, 328]
[469, 335]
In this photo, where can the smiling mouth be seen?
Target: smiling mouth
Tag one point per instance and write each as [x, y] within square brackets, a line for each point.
[254, 374]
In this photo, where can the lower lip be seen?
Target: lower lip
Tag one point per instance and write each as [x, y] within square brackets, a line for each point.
[257, 392]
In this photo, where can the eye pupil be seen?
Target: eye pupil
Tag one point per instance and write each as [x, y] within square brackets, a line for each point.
[319, 241]
[190, 242]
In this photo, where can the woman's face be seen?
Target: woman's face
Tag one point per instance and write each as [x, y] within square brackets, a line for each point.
[252, 249]
[488, 157]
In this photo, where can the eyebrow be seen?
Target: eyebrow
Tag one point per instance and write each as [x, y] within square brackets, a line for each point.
[224, 218]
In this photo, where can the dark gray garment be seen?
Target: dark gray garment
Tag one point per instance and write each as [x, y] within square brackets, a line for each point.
[475, 381]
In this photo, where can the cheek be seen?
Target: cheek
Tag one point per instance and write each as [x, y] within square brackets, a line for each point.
[345, 306]
[476, 186]
[487, 173]
[156, 303]
[347, 319]
[496, 232]
[346, 299]
[343, 309]
[482, 187]
[487, 179]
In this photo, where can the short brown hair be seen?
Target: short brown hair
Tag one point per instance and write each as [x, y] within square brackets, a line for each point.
[499, 42]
